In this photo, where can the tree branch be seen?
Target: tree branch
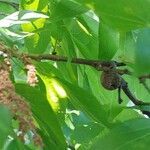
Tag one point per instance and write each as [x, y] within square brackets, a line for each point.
[97, 64]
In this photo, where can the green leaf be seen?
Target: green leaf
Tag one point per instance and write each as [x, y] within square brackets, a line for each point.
[108, 42]
[22, 17]
[79, 97]
[42, 4]
[65, 9]
[18, 72]
[86, 102]
[43, 112]
[16, 144]
[30, 15]
[84, 133]
[56, 96]
[38, 42]
[5, 9]
[142, 52]
[90, 23]
[143, 108]
[5, 125]
[132, 134]
[124, 15]
[68, 70]
[126, 52]
[127, 114]
[86, 42]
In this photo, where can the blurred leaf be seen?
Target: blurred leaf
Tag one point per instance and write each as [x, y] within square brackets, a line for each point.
[127, 114]
[13, 36]
[84, 133]
[142, 52]
[42, 4]
[11, 20]
[86, 42]
[65, 9]
[85, 101]
[21, 17]
[30, 15]
[5, 125]
[16, 144]
[90, 22]
[126, 52]
[37, 43]
[18, 71]
[6, 38]
[65, 46]
[48, 143]
[108, 42]
[143, 108]
[132, 134]
[5, 9]
[124, 15]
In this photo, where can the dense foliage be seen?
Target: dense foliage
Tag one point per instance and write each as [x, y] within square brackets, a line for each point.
[55, 105]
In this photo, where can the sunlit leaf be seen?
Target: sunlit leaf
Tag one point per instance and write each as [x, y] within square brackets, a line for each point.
[43, 112]
[20, 18]
[79, 97]
[37, 43]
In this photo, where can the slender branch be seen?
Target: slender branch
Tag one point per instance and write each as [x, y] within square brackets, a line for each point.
[97, 64]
